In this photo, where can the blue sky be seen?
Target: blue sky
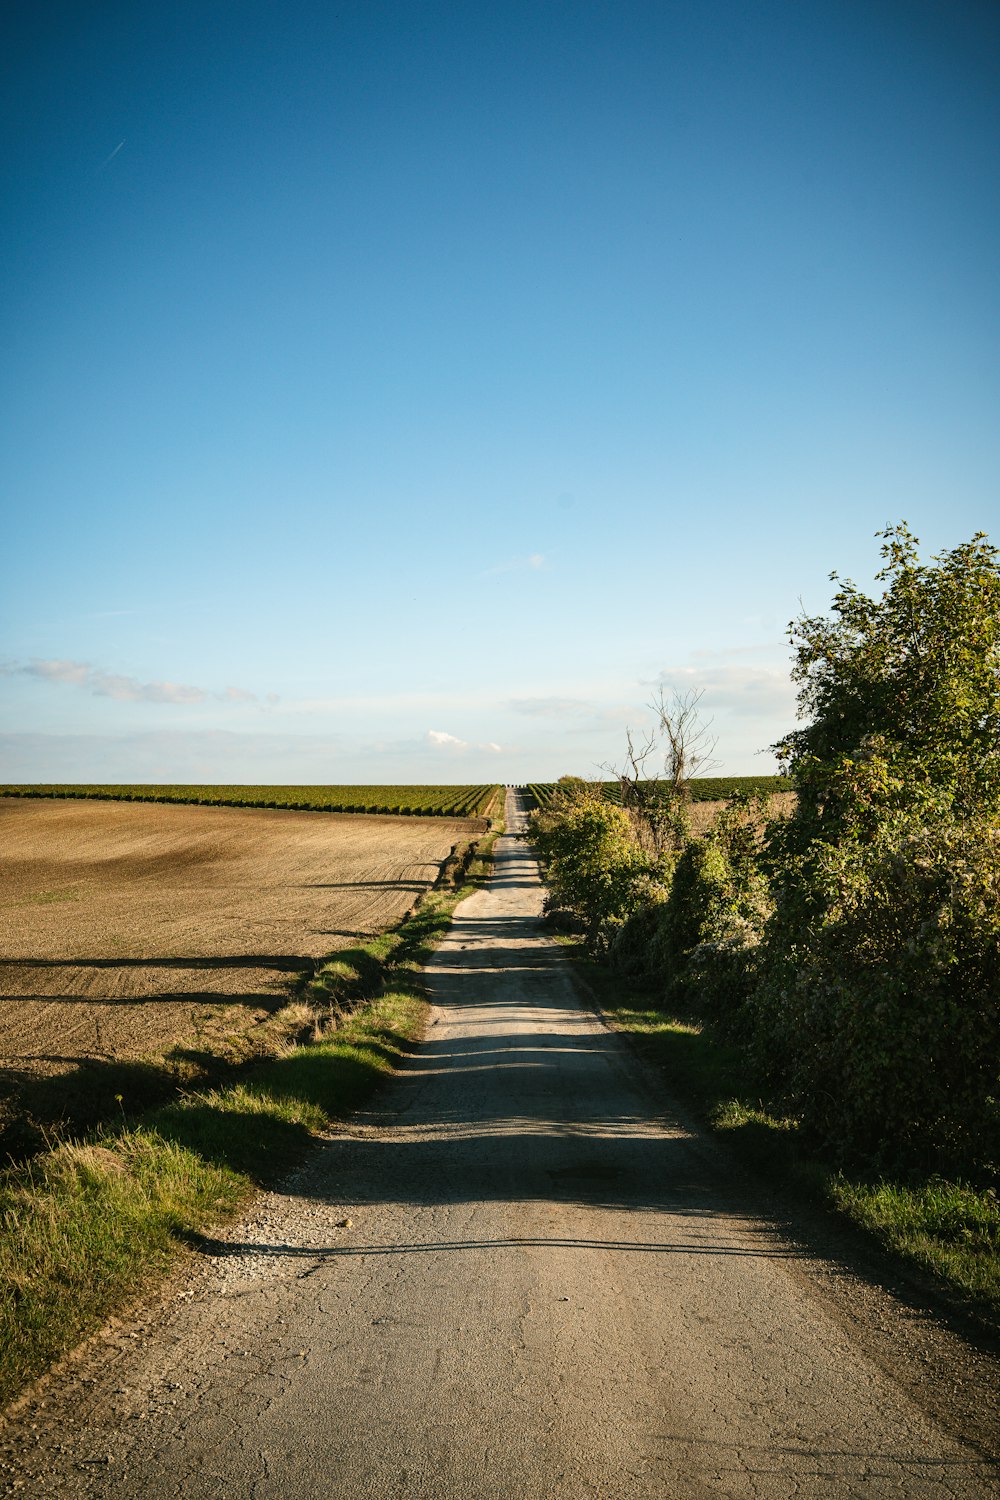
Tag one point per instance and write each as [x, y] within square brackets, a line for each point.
[402, 392]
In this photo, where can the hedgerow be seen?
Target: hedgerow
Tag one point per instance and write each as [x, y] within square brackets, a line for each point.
[699, 788]
[879, 995]
[853, 942]
[705, 934]
[595, 868]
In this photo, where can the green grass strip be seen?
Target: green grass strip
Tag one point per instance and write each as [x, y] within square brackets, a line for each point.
[87, 1226]
[947, 1228]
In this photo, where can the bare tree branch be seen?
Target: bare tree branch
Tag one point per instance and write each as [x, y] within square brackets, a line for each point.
[658, 800]
[690, 743]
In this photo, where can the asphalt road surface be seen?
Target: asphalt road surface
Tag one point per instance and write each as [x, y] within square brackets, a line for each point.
[546, 1290]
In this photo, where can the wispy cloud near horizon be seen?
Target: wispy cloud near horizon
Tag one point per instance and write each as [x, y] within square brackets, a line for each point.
[738, 690]
[444, 741]
[121, 688]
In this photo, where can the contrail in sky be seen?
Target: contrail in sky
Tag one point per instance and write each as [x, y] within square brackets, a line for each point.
[112, 156]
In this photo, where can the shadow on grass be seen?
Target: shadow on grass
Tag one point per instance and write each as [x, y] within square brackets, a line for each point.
[260, 1149]
[265, 1124]
[85, 1224]
[91, 1094]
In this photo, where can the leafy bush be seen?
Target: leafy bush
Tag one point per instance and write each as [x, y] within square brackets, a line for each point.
[881, 995]
[907, 683]
[698, 788]
[703, 936]
[594, 866]
[879, 1000]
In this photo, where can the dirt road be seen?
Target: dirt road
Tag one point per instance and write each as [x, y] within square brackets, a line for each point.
[510, 1279]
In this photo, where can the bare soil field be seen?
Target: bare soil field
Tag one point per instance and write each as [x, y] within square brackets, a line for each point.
[127, 928]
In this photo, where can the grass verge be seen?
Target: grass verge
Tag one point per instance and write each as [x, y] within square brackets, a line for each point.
[87, 1225]
[949, 1231]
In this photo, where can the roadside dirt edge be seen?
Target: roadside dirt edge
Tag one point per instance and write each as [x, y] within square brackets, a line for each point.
[947, 1362]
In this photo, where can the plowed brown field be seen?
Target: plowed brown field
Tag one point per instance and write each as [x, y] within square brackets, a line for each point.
[125, 927]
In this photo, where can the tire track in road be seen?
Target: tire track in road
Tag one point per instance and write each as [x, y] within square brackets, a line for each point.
[509, 1277]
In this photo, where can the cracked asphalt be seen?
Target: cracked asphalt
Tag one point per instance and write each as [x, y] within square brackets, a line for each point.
[510, 1276]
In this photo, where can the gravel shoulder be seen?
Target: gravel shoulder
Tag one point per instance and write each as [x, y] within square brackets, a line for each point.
[515, 1273]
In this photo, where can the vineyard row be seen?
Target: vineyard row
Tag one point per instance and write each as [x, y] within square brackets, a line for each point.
[413, 801]
[701, 788]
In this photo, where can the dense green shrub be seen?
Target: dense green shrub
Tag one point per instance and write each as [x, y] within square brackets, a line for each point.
[702, 937]
[879, 1001]
[697, 789]
[906, 684]
[724, 902]
[884, 1008]
[595, 868]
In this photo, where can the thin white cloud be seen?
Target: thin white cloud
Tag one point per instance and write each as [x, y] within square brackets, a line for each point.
[442, 740]
[75, 672]
[532, 562]
[109, 159]
[122, 689]
[724, 653]
[419, 704]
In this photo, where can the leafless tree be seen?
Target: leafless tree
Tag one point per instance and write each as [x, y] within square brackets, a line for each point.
[690, 744]
[633, 777]
[658, 799]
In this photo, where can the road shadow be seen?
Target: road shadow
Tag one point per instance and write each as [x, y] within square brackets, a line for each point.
[223, 1249]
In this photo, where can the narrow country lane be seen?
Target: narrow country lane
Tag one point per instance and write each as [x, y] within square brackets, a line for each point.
[546, 1292]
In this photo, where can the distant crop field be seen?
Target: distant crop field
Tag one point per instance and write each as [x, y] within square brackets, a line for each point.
[702, 788]
[405, 801]
[128, 929]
